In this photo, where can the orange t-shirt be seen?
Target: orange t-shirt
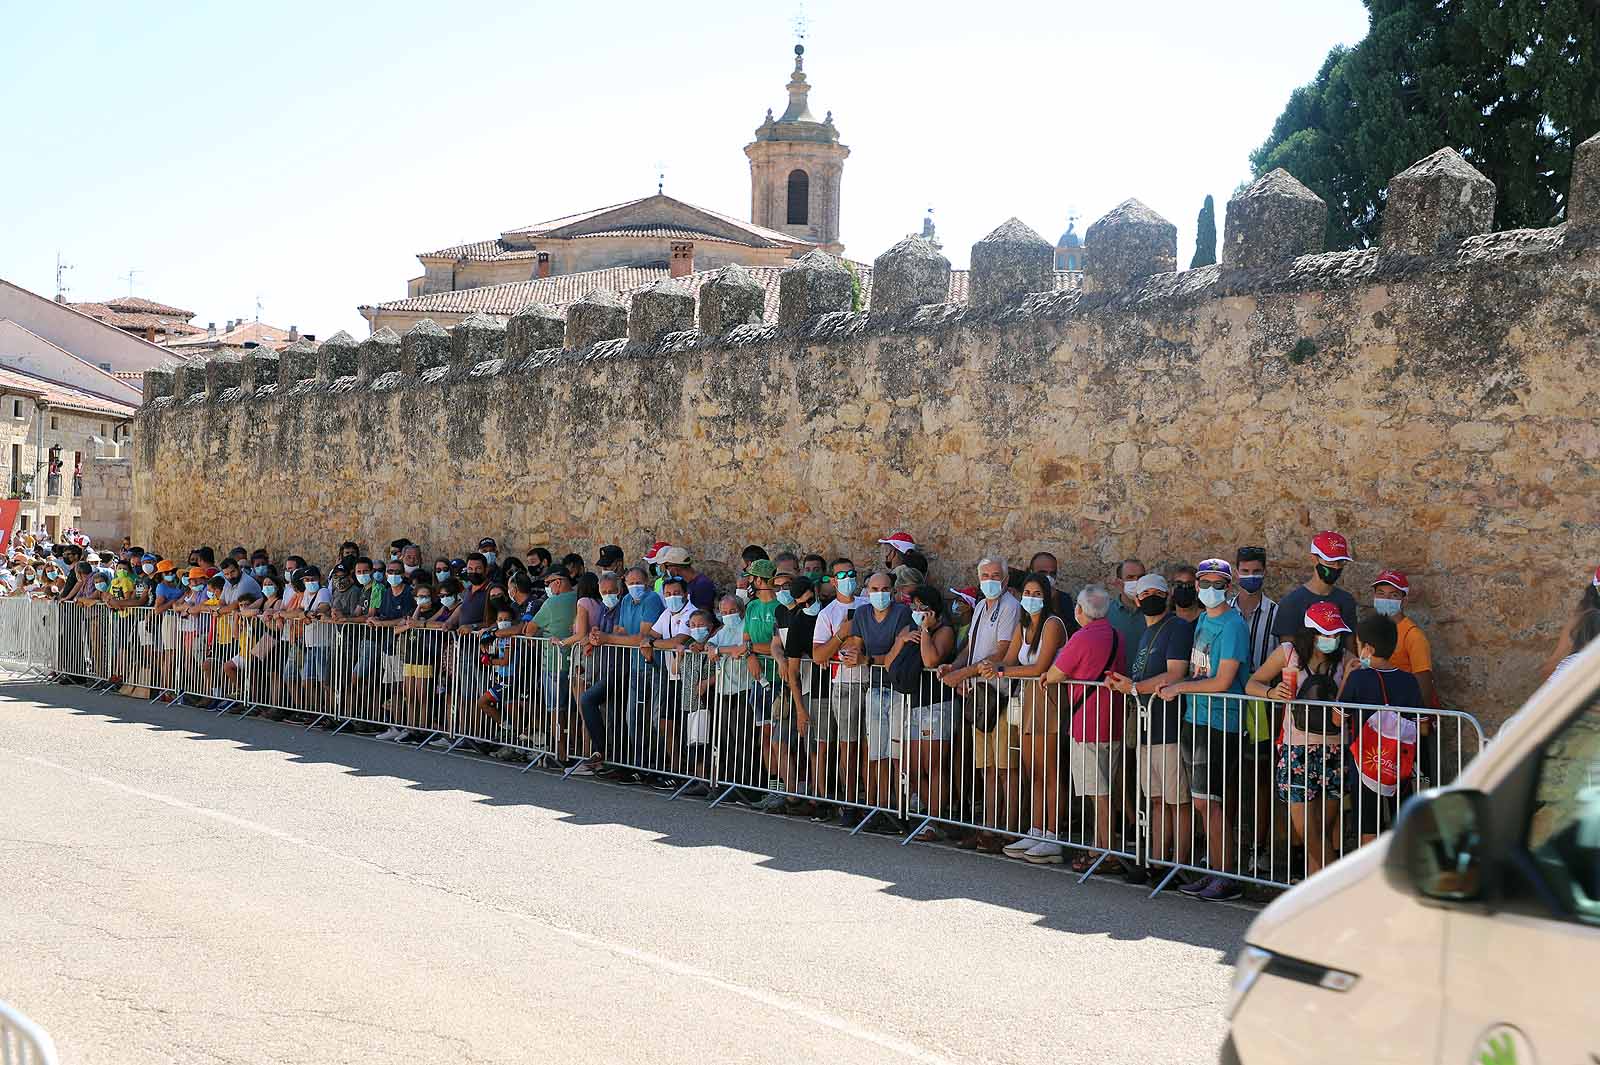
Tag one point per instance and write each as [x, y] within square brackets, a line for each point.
[1411, 651]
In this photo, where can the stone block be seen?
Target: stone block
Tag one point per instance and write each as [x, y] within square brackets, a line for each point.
[191, 379]
[336, 357]
[1129, 242]
[259, 366]
[1583, 194]
[1435, 203]
[731, 298]
[424, 345]
[157, 383]
[377, 355]
[813, 285]
[1273, 220]
[534, 328]
[909, 275]
[1007, 265]
[476, 338]
[296, 363]
[663, 307]
[222, 373]
[601, 315]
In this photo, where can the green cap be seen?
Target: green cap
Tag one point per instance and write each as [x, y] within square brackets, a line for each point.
[763, 568]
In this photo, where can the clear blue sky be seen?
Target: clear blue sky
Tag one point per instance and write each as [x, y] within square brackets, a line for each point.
[305, 152]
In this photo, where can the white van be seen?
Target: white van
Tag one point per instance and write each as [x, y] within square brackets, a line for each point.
[1469, 935]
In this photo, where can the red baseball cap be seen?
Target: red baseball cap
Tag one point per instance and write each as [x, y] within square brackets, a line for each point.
[1325, 618]
[969, 594]
[900, 541]
[1396, 578]
[1330, 547]
[655, 549]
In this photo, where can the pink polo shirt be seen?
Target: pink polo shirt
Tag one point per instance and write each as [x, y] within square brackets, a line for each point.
[1088, 656]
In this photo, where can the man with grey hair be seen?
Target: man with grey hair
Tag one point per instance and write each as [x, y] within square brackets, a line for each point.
[996, 749]
[1094, 752]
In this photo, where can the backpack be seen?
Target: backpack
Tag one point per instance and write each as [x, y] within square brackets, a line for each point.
[1385, 750]
[1316, 720]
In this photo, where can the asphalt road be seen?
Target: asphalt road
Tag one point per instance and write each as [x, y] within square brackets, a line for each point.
[175, 889]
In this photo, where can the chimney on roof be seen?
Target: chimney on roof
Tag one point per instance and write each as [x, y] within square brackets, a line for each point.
[61, 297]
[229, 327]
[682, 261]
[294, 333]
[150, 333]
[543, 269]
[211, 330]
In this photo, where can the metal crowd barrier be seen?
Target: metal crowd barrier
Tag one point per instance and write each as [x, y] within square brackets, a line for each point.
[22, 1042]
[1261, 791]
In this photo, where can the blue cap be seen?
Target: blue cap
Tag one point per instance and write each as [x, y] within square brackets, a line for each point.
[1214, 566]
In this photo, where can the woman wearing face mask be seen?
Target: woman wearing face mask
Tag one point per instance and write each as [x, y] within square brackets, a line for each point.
[663, 643]
[417, 641]
[1306, 671]
[932, 710]
[795, 622]
[1040, 637]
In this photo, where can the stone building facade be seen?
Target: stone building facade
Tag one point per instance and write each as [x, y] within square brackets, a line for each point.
[1431, 397]
[51, 456]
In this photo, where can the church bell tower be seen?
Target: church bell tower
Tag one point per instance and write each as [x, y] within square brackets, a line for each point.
[796, 164]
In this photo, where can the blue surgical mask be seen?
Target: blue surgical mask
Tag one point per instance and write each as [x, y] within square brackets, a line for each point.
[448, 600]
[1252, 582]
[699, 633]
[502, 624]
[636, 592]
[1033, 603]
[610, 599]
[423, 602]
[813, 608]
[169, 577]
[101, 586]
[1366, 661]
[880, 600]
[1212, 597]
[991, 589]
[846, 586]
[489, 557]
[269, 589]
[730, 619]
[262, 569]
[1387, 607]
[919, 618]
[396, 579]
[674, 603]
[312, 586]
[148, 567]
[1327, 644]
[363, 579]
[785, 597]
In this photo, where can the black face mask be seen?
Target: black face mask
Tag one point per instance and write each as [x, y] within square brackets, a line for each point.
[1184, 595]
[536, 570]
[1154, 606]
[477, 578]
[1328, 574]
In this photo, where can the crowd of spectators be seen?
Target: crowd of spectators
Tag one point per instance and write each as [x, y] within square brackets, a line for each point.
[812, 650]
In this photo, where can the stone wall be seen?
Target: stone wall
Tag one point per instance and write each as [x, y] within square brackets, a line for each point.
[1432, 400]
[107, 500]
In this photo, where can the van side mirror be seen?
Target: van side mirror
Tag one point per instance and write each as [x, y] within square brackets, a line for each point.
[1437, 849]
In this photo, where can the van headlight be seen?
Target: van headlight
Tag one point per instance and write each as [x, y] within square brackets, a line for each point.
[1252, 960]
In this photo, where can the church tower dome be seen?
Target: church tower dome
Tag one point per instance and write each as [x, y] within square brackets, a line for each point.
[796, 164]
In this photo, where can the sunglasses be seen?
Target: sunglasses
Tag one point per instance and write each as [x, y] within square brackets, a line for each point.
[842, 574]
[1212, 584]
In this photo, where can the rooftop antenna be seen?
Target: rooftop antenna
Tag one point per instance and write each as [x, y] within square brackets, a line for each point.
[61, 269]
[258, 306]
[661, 177]
[133, 272]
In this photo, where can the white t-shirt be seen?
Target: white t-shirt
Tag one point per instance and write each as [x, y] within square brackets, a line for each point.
[666, 626]
[318, 634]
[829, 622]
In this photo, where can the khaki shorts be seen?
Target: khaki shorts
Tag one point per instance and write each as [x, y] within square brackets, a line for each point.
[1094, 766]
[1163, 775]
[996, 749]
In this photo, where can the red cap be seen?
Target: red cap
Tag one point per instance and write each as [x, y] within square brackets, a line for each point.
[1325, 618]
[1396, 578]
[969, 594]
[900, 541]
[655, 549]
[1330, 547]
[1595, 580]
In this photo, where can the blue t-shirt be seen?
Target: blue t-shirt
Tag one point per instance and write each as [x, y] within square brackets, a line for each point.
[166, 592]
[1217, 639]
[632, 617]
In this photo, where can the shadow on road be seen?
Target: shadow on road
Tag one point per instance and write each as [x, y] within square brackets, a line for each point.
[1052, 895]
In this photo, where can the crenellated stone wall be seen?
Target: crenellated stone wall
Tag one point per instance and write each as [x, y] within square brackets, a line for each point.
[1432, 398]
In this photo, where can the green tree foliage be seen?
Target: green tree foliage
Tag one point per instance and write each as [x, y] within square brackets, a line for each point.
[1205, 235]
[1514, 85]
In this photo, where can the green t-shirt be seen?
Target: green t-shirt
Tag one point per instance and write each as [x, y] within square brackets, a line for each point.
[760, 624]
[555, 620]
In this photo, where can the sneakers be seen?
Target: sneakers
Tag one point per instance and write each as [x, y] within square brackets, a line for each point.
[1221, 889]
[773, 804]
[586, 768]
[1018, 848]
[391, 734]
[441, 742]
[509, 754]
[1044, 852]
[1194, 887]
[664, 783]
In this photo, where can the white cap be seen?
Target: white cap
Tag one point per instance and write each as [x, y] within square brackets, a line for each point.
[1150, 582]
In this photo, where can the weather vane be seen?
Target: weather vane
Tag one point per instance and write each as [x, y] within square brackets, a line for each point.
[799, 24]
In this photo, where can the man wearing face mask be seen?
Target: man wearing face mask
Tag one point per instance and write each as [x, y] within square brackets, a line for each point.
[1331, 552]
[1259, 610]
[1412, 652]
[410, 558]
[491, 558]
[239, 584]
[833, 648]
[1185, 600]
[468, 613]
[878, 624]
[1125, 616]
[702, 589]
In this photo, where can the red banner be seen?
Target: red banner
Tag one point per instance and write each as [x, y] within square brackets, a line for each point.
[8, 522]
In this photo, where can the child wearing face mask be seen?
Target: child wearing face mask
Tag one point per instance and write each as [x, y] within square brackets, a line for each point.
[1379, 683]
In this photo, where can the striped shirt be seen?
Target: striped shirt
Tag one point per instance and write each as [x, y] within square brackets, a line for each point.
[1262, 642]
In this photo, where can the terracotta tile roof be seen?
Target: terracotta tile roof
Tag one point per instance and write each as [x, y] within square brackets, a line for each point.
[760, 236]
[562, 289]
[140, 305]
[137, 321]
[481, 251]
[244, 333]
[59, 395]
